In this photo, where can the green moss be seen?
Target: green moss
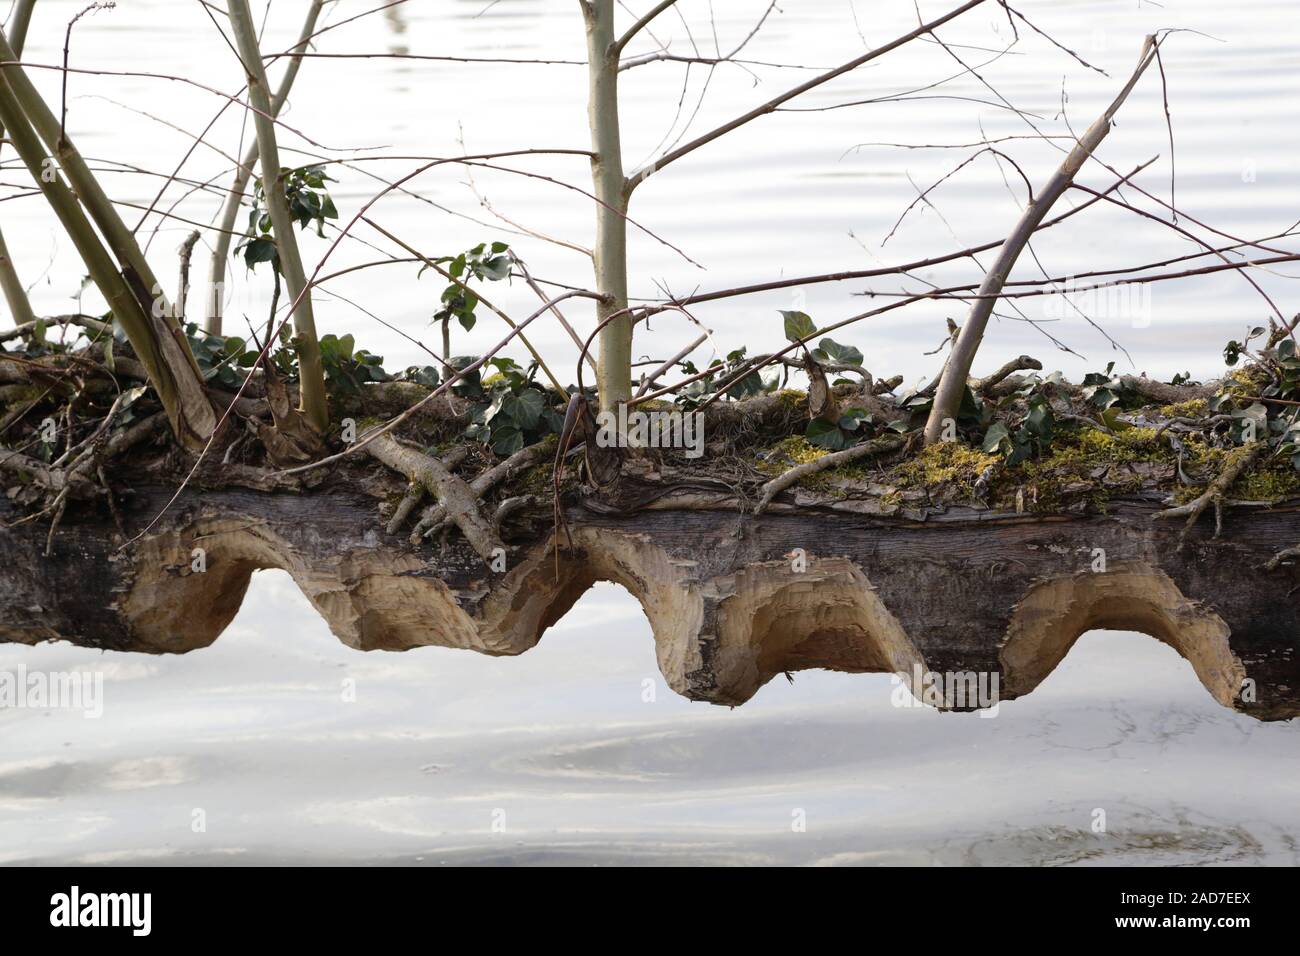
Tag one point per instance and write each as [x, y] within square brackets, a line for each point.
[1084, 465]
[1125, 445]
[1080, 453]
[1268, 480]
[1192, 408]
[1245, 382]
[21, 394]
[1081, 458]
[538, 479]
[1267, 484]
[794, 450]
[943, 463]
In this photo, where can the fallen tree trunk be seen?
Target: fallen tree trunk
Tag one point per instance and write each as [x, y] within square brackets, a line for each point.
[732, 599]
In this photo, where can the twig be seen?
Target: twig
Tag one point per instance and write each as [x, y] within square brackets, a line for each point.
[903, 269]
[1239, 462]
[453, 493]
[1021, 364]
[541, 362]
[663, 369]
[1199, 422]
[432, 519]
[655, 165]
[1287, 554]
[528, 279]
[27, 328]
[878, 446]
[509, 507]
[183, 289]
[1275, 401]
[416, 491]
[243, 172]
[640, 25]
[67, 44]
[953, 383]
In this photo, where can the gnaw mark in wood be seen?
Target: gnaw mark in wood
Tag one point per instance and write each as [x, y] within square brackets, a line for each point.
[892, 596]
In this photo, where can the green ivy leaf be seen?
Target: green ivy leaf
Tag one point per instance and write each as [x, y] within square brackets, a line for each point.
[830, 352]
[995, 437]
[507, 439]
[425, 375]
[525, 408]
[852, 419]
[257, 251]
[798, 326]
[751, 384]
[825, 434]
[496, 269]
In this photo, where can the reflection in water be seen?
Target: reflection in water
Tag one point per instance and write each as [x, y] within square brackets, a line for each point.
[396, 20]
[295, 747]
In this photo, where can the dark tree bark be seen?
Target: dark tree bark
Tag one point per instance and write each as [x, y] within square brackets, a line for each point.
[732, 599]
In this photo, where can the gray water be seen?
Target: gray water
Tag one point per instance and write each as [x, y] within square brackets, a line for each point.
[285, 745]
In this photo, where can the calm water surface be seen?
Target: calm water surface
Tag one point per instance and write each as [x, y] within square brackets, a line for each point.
[559, 750]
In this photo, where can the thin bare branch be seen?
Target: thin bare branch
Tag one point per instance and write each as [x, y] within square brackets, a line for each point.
[640, 25]
[953, 384]
[768, 107]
